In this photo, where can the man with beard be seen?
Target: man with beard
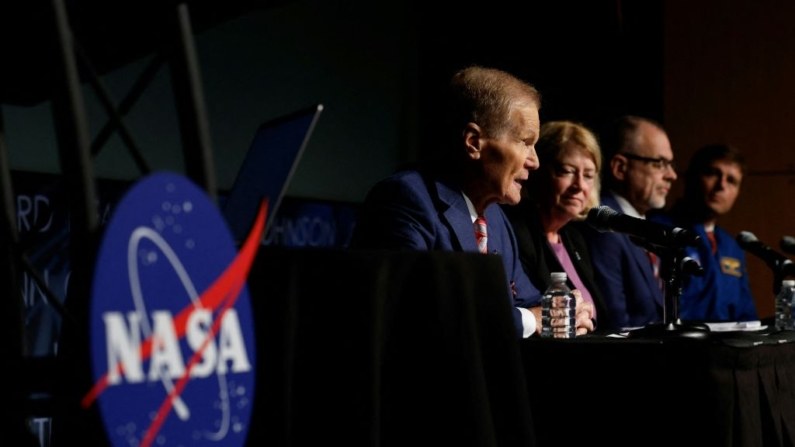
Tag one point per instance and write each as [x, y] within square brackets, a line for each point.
[637, 175]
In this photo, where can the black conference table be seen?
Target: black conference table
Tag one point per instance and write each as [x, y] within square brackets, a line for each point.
[412, 348]
[729, 389]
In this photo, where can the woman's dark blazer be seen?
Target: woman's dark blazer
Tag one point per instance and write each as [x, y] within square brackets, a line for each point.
[539, 260]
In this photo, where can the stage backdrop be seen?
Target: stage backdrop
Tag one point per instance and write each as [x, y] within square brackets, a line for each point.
[43, 226]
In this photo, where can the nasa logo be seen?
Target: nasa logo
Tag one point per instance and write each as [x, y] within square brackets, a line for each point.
[172, 339]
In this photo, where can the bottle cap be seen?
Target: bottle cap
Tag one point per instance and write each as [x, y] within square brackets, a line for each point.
[561, 276]
[785, 283]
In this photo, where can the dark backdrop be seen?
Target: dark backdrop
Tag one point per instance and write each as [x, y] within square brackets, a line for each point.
[591, 61]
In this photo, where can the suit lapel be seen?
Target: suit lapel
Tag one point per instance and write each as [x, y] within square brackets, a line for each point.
[493, 219]
[644, 264]
[639, 254]
[456, 213]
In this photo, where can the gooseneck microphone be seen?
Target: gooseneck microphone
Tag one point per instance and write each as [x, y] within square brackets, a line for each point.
[788, 244]
[772, 258]
[605, 219]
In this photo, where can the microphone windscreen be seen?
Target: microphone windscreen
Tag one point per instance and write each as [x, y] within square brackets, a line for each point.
[599, 217]
[746, 238]
[788, 244]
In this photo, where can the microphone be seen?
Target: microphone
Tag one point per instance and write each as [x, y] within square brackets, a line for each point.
[606, 219]
[788, 244]
[772, 258]
[691, 267]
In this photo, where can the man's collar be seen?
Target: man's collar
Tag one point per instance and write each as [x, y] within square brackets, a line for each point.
[626, 207]
[472, 213]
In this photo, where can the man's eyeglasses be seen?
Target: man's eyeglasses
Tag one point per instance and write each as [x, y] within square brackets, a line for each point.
[659, 164]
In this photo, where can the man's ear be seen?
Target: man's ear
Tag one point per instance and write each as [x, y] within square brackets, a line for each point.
[473, 140]
[618, 167]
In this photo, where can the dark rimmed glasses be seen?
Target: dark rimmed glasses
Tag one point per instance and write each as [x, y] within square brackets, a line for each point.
[659, 164]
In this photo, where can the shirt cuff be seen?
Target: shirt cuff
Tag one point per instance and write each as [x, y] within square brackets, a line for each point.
[528, 322]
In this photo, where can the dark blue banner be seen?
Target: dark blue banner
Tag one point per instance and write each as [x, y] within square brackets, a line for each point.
[43, 225]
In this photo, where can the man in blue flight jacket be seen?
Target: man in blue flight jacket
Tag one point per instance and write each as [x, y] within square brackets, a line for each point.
[712, 185]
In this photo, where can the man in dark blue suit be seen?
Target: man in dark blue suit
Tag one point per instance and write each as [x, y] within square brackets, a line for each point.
[637, 176]
[490, 126]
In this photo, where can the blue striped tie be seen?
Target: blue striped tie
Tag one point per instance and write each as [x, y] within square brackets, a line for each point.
[481, 235]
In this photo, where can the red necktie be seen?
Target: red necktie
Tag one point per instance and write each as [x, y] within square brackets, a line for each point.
[655, 263]
[712, 242]
[481, 234]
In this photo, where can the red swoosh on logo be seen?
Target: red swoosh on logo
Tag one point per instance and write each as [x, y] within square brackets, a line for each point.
[223, 292]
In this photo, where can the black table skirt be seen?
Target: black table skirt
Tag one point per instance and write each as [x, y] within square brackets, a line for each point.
[728, 390]
[412, 348]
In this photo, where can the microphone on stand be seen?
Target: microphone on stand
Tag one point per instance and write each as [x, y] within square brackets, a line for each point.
[775, 260]
[606, 219]
[670, 241]
[788, 244]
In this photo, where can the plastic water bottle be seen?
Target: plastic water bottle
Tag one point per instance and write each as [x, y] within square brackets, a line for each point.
[785, 306]
[558, 319]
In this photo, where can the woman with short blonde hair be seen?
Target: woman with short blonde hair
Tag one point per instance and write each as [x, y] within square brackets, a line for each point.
[555, 200]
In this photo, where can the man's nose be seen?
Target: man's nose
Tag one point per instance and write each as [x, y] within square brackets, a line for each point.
[531, 162]
[670, 173]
